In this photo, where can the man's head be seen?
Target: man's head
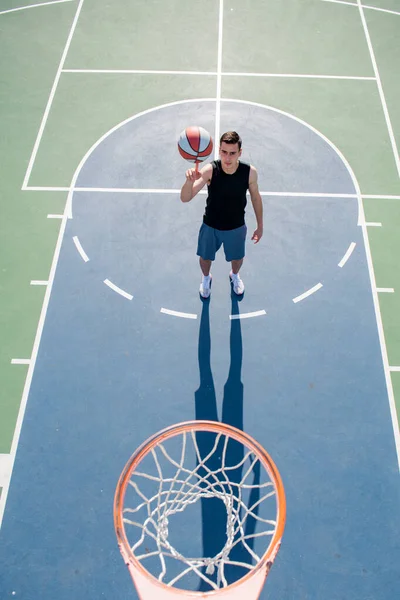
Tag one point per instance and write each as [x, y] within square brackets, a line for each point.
[230, 149]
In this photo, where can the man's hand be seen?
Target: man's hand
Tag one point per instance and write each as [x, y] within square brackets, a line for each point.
[192, 175]
[257, 235]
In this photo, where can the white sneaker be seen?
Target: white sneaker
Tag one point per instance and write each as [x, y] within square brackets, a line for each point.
[205, 286]
[238, 285]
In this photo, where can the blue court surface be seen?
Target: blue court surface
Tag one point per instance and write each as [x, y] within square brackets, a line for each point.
[304, 377]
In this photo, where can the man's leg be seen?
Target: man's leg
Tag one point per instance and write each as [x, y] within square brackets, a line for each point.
[234, 245]
[205, 266]
[236, 264]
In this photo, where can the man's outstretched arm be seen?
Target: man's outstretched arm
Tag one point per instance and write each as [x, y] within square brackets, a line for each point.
[195, 182]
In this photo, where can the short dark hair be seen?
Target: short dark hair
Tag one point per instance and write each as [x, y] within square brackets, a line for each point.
[231, 137]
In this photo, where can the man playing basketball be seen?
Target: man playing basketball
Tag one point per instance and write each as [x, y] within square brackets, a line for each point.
[228, 180]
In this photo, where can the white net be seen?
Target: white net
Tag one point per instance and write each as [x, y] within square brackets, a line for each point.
[207, 467]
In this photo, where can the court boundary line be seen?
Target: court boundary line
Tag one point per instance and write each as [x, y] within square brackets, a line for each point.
[51, 97]
[10, 10]
[380, 88]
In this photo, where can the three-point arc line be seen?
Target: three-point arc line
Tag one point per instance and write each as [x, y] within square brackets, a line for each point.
[117, 289]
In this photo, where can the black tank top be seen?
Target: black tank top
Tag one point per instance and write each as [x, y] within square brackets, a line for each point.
[226, 201]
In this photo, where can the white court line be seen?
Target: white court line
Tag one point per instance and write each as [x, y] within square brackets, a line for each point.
[138, 72]
[216, 73]
[392, 12]
[39, 282]
[385, 290]
[308, 194]
[377, 197]
[373, 224]
[176, 191]
[394, 369]
[219, 79]
[3, 12]
[347, 255]
[5, 469]
[51, 97]
[118, 289]
[308, 293]
[54, 216]
[80, 249]
[385, 10]
[41, 188]
[20, 361]
[256, 313]
[175, 313]
[300, 76]
[380, 89]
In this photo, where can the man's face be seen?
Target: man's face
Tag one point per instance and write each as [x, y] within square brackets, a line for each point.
[229, 155]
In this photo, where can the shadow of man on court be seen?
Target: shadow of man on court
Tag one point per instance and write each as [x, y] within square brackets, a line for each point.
[214, 513]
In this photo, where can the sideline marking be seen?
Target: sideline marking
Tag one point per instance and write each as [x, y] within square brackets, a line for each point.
[308, 293]
[373, 224]
[31, 362]
[54, 216]
[80, 249]
[175, 313]
[380, 89]
[20, 361]
[219, 80]
[385, 290]
[51, 97]
[257, 313]
[5, 469]
[347, 255]
[39, 282]
[117, 289]
[3, 12]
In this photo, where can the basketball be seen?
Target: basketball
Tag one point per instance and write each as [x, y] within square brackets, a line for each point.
[195, 144]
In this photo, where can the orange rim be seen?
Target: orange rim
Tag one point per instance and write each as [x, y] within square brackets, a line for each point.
[213, 426]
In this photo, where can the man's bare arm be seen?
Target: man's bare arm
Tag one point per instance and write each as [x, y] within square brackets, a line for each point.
[195, 182]
[257, 204]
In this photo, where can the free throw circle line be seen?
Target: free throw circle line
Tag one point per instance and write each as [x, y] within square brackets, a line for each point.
[80, 249]
[308, 293]
[118, 289]
[257, 313]
[347, 255]
[175, 313]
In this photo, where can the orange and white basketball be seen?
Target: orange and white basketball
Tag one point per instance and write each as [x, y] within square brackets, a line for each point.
[195, 144]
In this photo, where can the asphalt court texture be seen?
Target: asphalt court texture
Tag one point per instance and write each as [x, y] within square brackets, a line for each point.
[305, 379]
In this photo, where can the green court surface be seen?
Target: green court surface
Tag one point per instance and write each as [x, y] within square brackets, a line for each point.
[72, 70]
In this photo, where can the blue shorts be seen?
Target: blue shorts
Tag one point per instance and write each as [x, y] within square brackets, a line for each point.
[210, 241]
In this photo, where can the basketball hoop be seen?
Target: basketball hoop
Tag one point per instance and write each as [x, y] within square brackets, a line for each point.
[172, 471]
